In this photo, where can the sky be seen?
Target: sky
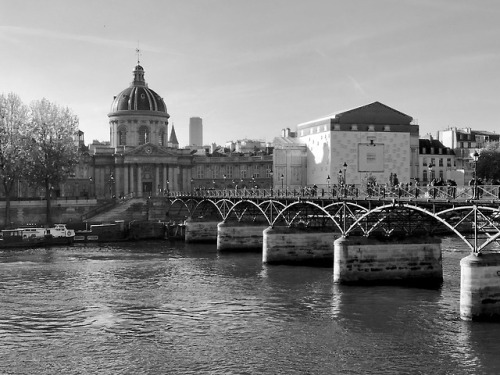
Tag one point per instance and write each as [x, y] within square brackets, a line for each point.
[252, 68]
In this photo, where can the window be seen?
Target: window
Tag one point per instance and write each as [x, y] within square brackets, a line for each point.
[143, 135]
[441, 175]
[354, 127]
[229, 171]
[256, 170]
[336, 127]
[441, 162]
[448, 162]
[424, 163]
[424, 176]
[200, 171]
[387, 128]
[243, 171]
[122, 136]
[371, 128]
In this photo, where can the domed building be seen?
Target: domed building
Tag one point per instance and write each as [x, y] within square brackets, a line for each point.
[138, 115]
[140, 159]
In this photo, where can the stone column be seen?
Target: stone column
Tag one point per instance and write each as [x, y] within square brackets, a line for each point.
[139, 181]
[125, 179]
[157, 186]
[480, 287]
[165, 177]
[171, 178]
[118, 181]
[132, 180]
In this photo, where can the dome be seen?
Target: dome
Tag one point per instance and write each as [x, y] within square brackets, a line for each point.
[138, 97]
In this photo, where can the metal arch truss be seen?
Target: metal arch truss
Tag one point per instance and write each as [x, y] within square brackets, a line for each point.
[478, 226]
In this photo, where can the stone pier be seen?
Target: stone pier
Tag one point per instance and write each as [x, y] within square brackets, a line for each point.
[416, 261]
[480, 287]
[240, 236]
[201, 231]
[298, 246]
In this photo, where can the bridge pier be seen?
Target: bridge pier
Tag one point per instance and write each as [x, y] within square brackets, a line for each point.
[239, 236]
[284, 245]
[200, 231]
[480, 287]
[359, 260]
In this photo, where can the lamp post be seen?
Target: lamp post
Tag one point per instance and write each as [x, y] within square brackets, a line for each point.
[91, 180]
[282, 180]
[432, 191]
[111, 182]
[224, 187]
[475, 156]
[345, 181]
[328, 184]
[168, 188]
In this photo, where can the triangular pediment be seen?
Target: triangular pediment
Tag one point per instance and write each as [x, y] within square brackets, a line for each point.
[374, 113]
[150, 149]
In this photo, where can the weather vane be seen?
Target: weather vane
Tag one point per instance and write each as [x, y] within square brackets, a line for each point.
[138, 51]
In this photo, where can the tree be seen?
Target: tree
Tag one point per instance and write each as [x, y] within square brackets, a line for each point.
[53, 153]
[488, 163]
[13, 118]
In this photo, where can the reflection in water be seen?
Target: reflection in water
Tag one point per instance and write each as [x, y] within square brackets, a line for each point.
[159, 307]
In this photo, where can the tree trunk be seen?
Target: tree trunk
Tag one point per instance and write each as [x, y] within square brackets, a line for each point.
[48, 220]
[7, 189]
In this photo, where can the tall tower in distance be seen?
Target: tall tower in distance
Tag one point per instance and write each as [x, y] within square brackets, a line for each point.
[195, 131]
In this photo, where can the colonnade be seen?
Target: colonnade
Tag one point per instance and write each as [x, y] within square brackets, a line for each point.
[140, 179]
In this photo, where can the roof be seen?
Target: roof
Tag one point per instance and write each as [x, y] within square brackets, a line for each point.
[373, 113]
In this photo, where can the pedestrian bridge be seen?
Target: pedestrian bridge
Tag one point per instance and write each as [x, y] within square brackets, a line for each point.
[472, 214]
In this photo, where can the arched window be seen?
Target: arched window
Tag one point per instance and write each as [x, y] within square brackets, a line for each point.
[143, 135]
[161, 141]
[122, 136]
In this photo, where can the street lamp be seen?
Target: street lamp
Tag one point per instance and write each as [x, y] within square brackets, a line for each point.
[282, 179]
[90, 188]
[328, 183]
[431, 166]
[168, 188]
[111, 182]
[475, 156]
[345, 181]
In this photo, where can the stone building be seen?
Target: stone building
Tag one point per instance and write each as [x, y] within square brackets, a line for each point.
[373, 140]
[437, 162]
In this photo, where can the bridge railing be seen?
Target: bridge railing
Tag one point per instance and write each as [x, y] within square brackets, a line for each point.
[485, 192]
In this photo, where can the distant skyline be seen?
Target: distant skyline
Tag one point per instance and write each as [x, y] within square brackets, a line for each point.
[252, 68]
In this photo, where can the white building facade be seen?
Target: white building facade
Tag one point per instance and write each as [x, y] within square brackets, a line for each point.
[370, 141]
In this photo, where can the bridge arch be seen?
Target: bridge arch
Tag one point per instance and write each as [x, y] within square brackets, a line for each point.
[440, 216]
[246, 207]
[336, 212]
[215, 209]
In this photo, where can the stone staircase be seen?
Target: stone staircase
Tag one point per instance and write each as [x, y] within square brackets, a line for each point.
[128, 210]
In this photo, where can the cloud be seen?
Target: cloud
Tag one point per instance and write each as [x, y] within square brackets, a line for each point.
[356, 85]
[12, 31]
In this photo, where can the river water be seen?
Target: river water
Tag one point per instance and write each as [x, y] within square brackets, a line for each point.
[175, 308]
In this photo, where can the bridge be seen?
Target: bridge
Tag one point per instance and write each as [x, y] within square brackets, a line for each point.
[376, 234]
[470, 213]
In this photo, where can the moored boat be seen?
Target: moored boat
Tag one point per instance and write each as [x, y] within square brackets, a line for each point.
[36, 237]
